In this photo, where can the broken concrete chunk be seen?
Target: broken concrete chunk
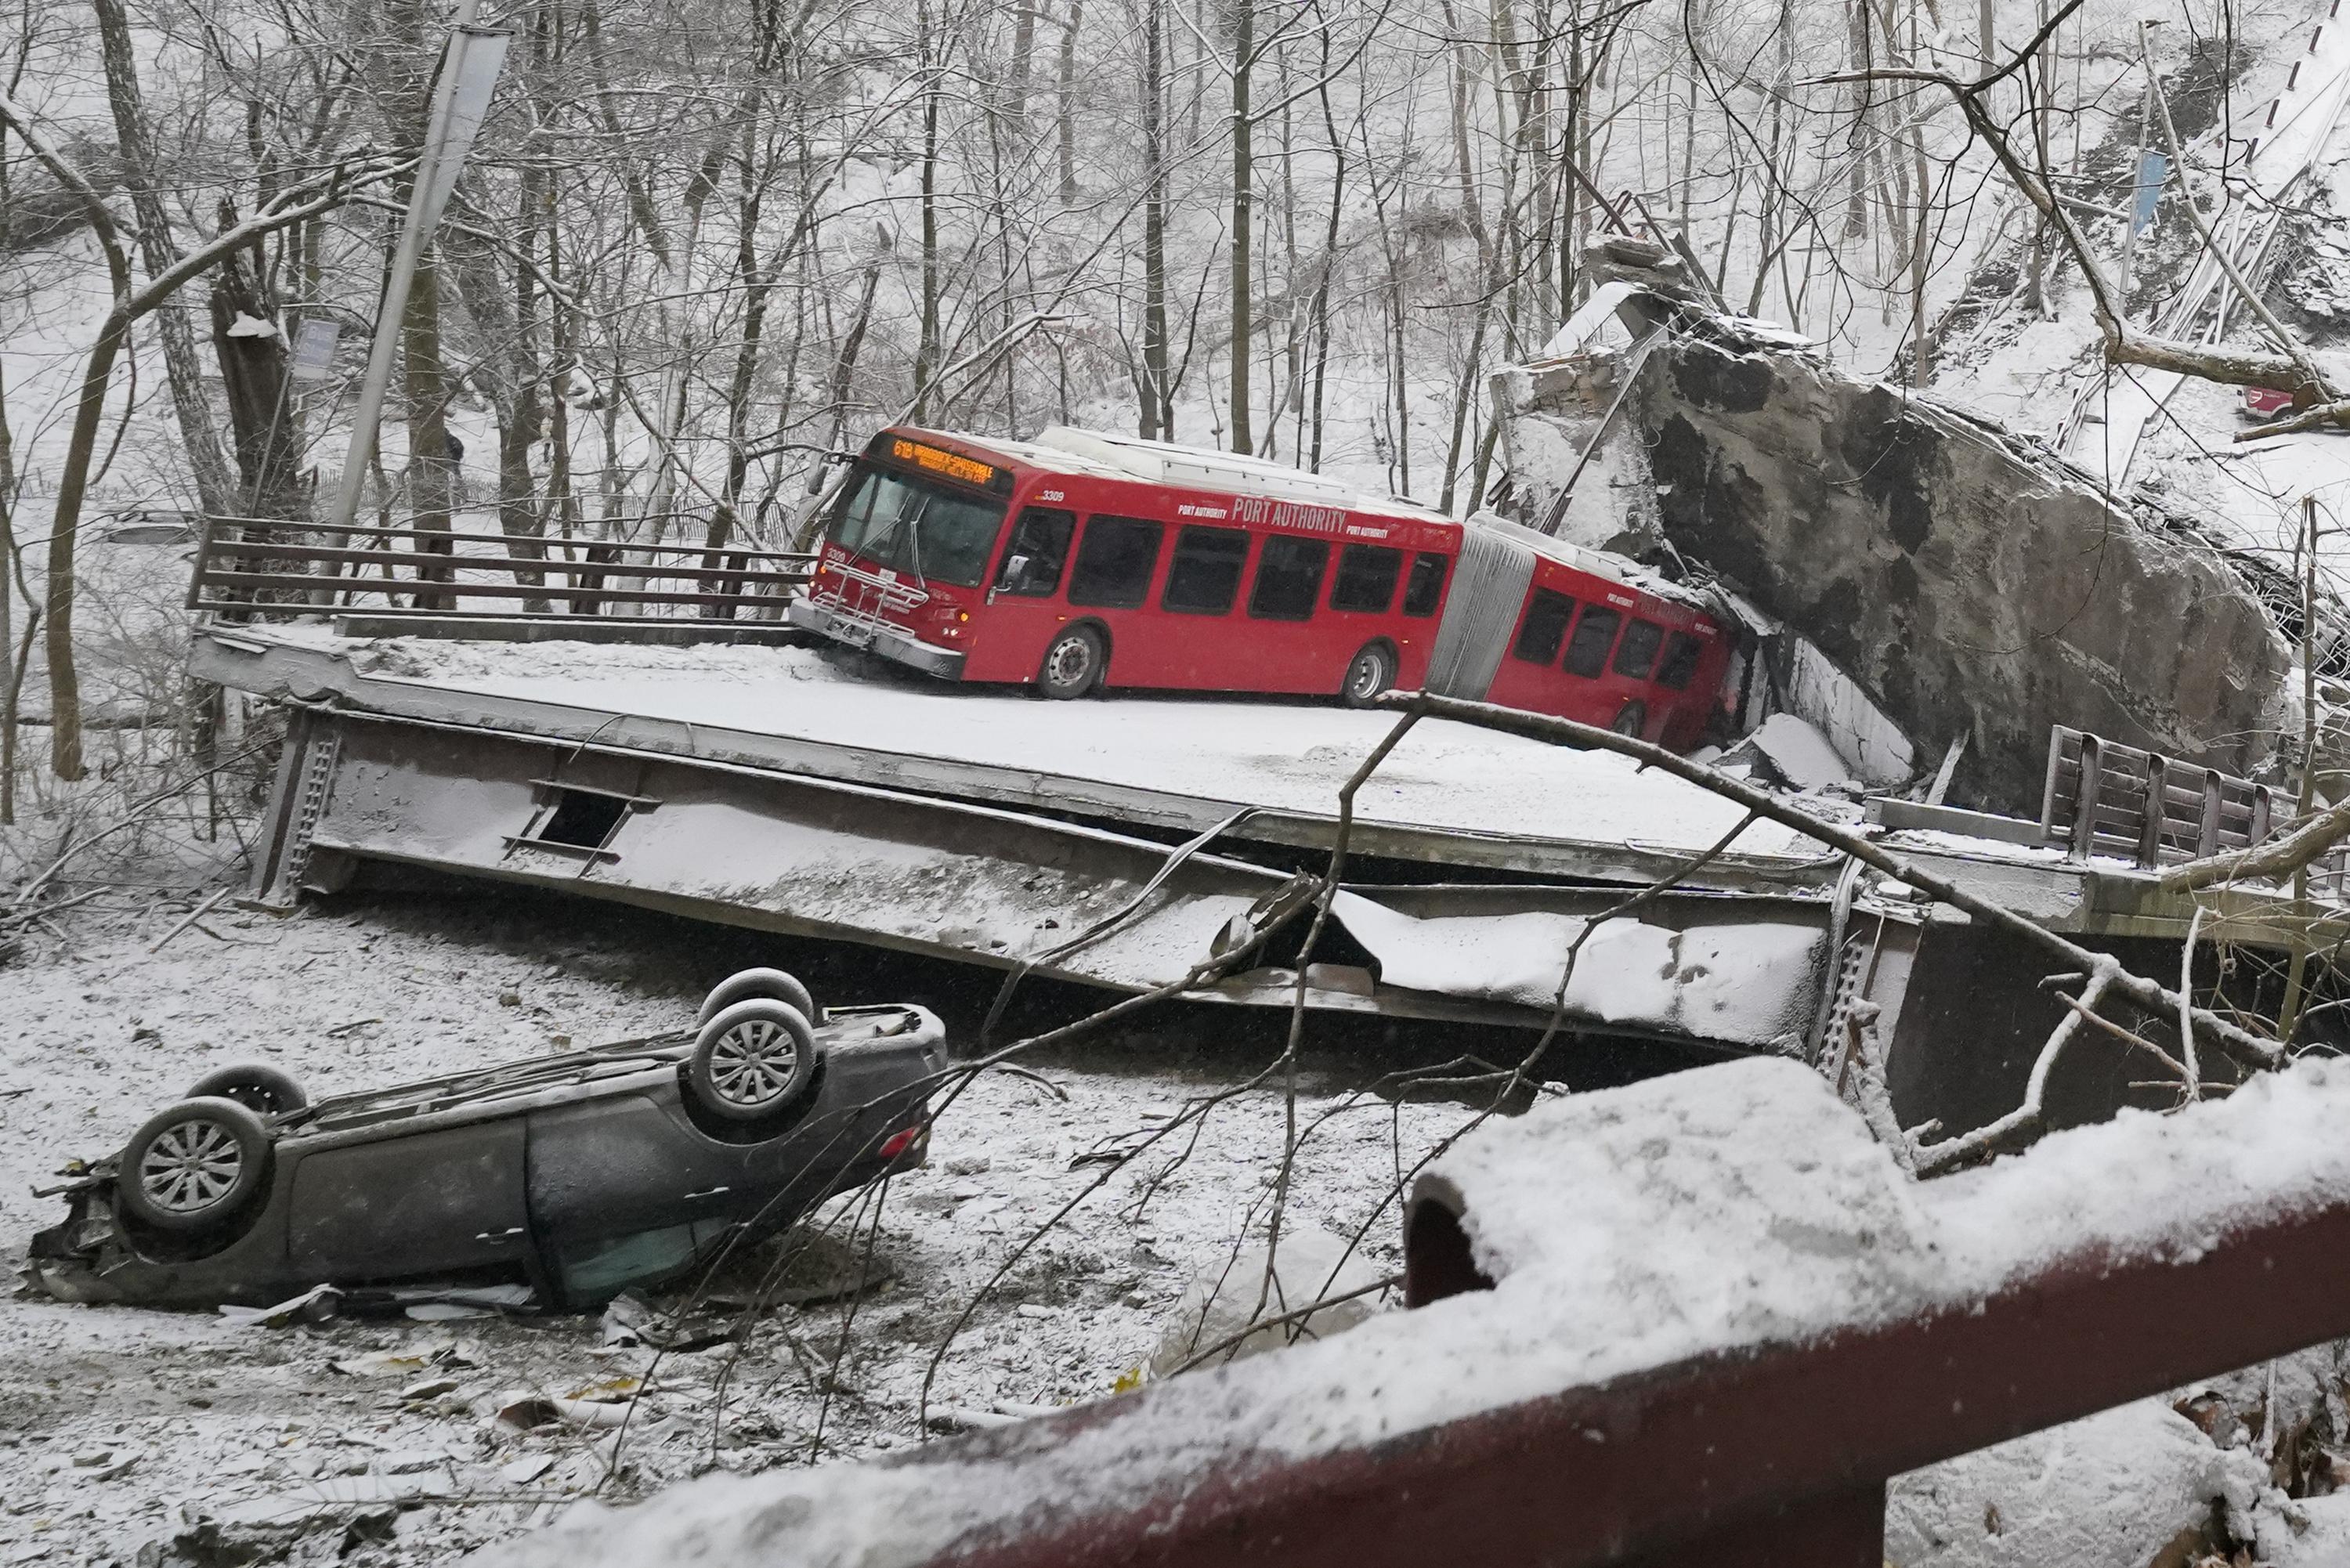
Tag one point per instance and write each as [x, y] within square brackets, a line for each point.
[1233, 1292]
[335, 1496]
[523, 1471]
[316, 1304]
[1798, 753]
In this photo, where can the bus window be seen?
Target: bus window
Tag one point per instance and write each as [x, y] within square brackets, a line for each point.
[1115, 561]
[1595, 634]
[1427, 585]
[1039, 549]
[1545, 628]
[916, 526]
[1204, 577]
[1288, 578]
[1367, 578]
[1639, 654]
[1680, 661]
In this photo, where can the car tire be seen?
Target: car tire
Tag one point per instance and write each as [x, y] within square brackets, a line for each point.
[1631, 719]
[1370, 675]
[752, 1061]
[778, 985]
[256, 1086]
[193, 1165]
[1074, 664]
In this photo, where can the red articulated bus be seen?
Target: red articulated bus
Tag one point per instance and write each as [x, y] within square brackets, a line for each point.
[1078, 561]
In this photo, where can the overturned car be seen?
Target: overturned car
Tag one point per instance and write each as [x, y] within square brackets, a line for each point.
[576, 1175]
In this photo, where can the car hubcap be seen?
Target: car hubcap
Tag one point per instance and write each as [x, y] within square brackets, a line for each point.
[754, 1063]
[191, 1167]
[1072, 661]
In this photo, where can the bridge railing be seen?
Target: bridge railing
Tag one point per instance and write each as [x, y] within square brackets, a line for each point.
[264, 567]
[1699, 1321]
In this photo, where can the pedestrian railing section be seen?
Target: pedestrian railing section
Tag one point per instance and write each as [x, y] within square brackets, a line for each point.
[2106, 799]
[264, 568]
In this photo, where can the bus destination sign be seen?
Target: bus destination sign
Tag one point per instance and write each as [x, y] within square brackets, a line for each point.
[953, 465]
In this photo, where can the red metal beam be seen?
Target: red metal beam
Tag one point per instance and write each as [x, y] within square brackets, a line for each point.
[1399, 1443]
[1773, 1458]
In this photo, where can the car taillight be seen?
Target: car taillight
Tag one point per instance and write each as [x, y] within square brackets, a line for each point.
[899, 1142]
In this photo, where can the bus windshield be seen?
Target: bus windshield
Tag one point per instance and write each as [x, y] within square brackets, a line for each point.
[926, 530]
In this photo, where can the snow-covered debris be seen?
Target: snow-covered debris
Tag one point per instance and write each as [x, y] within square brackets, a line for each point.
[1240, 1289]
[1731, 1208]
[2311, 1533]
[1751, 983]
[2118, 1491]
[1800, 753]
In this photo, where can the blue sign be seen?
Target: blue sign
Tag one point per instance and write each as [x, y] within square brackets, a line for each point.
[2153, 169]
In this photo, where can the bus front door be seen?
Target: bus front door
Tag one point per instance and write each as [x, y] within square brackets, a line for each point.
[1025, 607]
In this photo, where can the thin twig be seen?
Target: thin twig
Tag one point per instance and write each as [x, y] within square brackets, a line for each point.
[193, 915]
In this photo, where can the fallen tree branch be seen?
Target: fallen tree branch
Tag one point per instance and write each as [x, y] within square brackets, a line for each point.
[2265, 861]
[199, 912]
[2126, 1037]
[2238, 1041]
[1989, 1138]
[1294, 1315]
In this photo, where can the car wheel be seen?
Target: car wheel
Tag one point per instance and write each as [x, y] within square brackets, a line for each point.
[1073, 664]
[256, 1086]
[195, 1165]
[1369, 676]
[1631, 719]
[778, 985]
[753, 1060]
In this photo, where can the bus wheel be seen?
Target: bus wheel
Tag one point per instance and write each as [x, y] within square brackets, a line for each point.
[1073, 665]
[1631, 720]
[1371, 673]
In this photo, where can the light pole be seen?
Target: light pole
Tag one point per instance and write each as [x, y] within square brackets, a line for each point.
[461, 99]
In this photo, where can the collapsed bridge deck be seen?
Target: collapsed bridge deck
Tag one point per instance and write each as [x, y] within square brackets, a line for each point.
[781, 788]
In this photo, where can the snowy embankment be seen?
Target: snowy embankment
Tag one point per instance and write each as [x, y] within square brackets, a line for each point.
[1733, 1207]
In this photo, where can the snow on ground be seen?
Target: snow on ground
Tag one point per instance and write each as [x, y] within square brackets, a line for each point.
[121, 1427]
[1288, 756]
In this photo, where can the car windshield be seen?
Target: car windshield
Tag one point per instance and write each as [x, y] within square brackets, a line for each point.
[926, 530]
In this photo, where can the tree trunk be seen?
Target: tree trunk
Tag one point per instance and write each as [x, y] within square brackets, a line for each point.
[431, 476]
[926, 354]
[1021, 68]
[57, 599]
[1157, 398]
[1067, 105]
[215, 492]
[1244, 221]
[267, 441]
[11, 675]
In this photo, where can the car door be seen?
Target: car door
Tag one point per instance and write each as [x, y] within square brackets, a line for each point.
[408, 1205]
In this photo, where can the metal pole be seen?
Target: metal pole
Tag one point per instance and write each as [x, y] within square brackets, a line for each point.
[460, 98]
[2138, 164]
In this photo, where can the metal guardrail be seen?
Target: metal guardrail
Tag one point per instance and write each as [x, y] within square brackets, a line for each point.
[1831, 1343]
[264, 567]
[2103, 797]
